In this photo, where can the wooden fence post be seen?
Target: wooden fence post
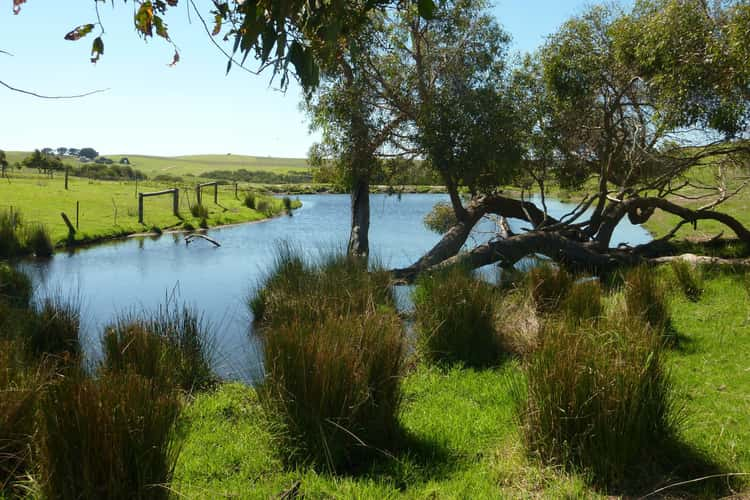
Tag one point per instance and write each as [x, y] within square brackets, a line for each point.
[176, 202]
[198, 194]
[78, 206]
[216, 194]
[140, 208]
[66, 177]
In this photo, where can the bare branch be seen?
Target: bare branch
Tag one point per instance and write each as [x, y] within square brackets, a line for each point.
[41, 96]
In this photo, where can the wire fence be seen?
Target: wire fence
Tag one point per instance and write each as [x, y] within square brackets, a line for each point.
[95, 203]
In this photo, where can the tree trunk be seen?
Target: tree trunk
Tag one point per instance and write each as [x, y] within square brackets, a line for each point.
[359, 241]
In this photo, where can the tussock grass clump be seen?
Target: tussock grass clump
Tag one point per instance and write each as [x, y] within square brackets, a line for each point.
[455, 319]
[583, 303]
[199, 211]
[38, 240]
[334, 387]
[10, 243]
[19, 389]
[646, 298]
[597, 399]
[56, 330]
[172, 347]
[690, 279]
[18, 239]
[250, 199]
[287, 202]
[339, 285]
[548, 286]
[111, 437]
[15, 287]
[334, 355]
[263, 206]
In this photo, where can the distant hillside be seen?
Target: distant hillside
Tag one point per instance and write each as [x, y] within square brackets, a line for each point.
[193, 164]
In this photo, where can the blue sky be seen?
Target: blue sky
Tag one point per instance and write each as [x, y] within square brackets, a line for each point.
[150, 108]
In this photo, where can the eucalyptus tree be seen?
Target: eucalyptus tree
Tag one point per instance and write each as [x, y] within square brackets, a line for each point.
[606, 106]
[355, 121]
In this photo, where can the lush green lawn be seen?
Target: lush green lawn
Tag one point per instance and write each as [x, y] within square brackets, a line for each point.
[463, 441]
[41, 199]
[192, 164]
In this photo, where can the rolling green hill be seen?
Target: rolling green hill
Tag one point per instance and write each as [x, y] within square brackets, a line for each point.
[193, 164]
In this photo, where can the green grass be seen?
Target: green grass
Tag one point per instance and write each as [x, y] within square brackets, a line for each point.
[461, 430]
[41, 200]
[471, 451]
[191, 164]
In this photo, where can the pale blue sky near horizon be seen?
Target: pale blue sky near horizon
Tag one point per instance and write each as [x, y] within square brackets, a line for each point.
[150, 108]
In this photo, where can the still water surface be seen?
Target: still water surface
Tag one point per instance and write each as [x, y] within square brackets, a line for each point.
[143, 273]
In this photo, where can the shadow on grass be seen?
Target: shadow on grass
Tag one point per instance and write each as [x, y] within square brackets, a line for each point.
[414, 461]
[678, 341]
[676, 470]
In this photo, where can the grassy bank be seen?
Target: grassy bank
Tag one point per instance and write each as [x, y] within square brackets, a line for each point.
[464, 442]
[109, 209]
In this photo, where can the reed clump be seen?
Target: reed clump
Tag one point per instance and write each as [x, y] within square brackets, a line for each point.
[18, 239]
[37, 240]
[15, 287]
[455, 319]
[646, 298]
[597, 398]
[54, 330]
[199, 211]
[583, 302]
[172, 347]
[548, 286]
[20, 386]
[334, 356]
[110, 437]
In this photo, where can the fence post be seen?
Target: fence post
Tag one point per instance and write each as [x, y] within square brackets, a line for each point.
[78, 205]
[66, 177]
[216, 194]
[140, 208]
[198, 194]
[176, 202]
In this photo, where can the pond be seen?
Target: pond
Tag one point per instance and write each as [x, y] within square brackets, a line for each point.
[143, 273]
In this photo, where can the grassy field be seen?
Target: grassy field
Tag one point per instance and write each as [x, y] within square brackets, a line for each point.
[108, 208]
[192, 164]
[464, 441]
[738, 205]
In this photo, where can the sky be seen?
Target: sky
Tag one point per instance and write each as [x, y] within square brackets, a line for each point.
[151, 108]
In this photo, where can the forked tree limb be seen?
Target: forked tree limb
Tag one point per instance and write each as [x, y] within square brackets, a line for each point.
[563, 243]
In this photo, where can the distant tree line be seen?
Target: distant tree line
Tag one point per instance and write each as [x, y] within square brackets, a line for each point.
[259, 176]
